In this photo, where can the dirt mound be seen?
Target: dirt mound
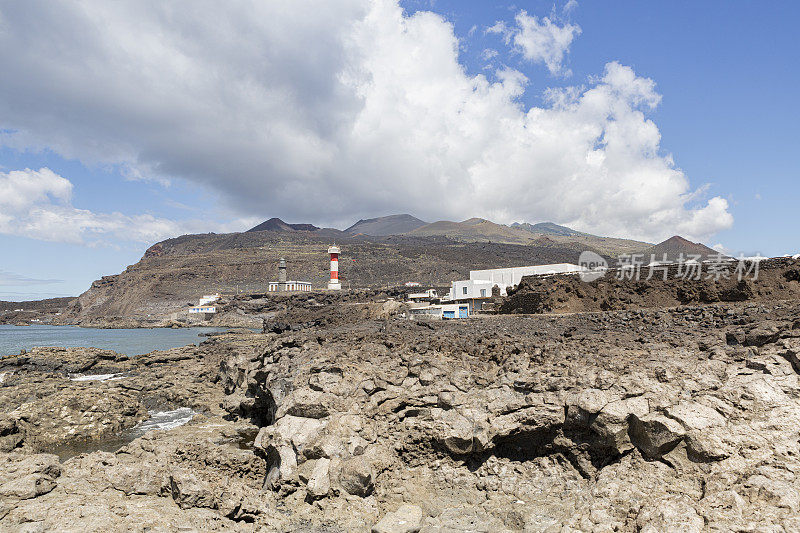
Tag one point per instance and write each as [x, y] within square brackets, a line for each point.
[778, 279]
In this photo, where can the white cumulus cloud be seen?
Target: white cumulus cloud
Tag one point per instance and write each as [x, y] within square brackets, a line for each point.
[540, 40]
[331, 111]
[37, 204]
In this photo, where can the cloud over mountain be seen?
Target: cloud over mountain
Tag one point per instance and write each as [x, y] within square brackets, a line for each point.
[326, 111]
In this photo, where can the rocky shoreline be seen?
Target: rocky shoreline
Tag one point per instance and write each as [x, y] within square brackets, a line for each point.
[680, 419]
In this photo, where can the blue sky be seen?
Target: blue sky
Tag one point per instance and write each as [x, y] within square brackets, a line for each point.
[133, 166]
[728, 73]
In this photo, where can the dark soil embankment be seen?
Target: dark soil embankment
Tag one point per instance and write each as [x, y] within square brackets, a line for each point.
[778, 279]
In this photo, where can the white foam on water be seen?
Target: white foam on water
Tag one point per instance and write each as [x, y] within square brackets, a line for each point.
[164, 420]
[96, 377]
[796, 256]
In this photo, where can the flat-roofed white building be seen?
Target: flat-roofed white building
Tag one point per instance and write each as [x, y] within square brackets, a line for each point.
[209, 299]
[478, 288]
[508, 277]
[420, 296]
[202, 309]
[440, 312]
[296, 286]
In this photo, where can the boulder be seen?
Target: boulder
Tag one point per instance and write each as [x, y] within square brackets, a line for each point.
[326, 445]
[296, 432]
[591, 400]
[462, 380]
[582, 406]
[28, 476]
[144, 480]
[319, 482]
[356, 477]
[611, 424]
[655, 434]
[708, 445]
[306, 403]
[189, 491]
[406, 519]
[469, 519]
[761, 335]
[325, 381]
[694, 415]
[11, 436]
[673, 514]
[454, 432]
[27, 487]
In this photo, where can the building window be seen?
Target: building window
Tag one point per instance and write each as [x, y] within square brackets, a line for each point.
[483, 293]
[464, 289]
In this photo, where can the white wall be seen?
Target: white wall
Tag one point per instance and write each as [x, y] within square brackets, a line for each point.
[473, 289]
[508, 277]
[502, 277]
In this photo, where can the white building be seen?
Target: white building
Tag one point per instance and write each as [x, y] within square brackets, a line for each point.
[478, 287]
[202, 309]
[209, 299]
[298, 286]
[430, 294]
[440, 312]
[508, 277]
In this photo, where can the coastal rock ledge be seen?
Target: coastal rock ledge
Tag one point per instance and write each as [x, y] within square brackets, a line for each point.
[680, 419]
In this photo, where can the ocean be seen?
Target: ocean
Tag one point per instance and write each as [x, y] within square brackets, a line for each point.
[125, 341]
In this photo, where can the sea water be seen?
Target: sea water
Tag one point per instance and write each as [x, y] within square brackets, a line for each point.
[158, 421]
[125, 341]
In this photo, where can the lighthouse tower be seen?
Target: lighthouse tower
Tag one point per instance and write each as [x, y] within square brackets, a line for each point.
[282, 275]
[334, 284]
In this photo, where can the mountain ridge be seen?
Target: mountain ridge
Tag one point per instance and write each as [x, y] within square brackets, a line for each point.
[476, 229]
[386, 225]
[548, 228]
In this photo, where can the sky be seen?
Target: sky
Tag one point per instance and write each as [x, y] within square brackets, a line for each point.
[125, 123]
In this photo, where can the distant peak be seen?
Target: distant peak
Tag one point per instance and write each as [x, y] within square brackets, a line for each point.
[276, 224]
[677, 239]
[547, 228]
[386, 225]
[677, 245]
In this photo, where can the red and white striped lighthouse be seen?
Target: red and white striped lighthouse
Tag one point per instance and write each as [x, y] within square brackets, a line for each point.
[334, 284]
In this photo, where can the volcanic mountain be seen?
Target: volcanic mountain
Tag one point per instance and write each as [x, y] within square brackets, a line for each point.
[276, 224]
[548, 228]
[474, 229]
[675, 246]
[388, 225]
